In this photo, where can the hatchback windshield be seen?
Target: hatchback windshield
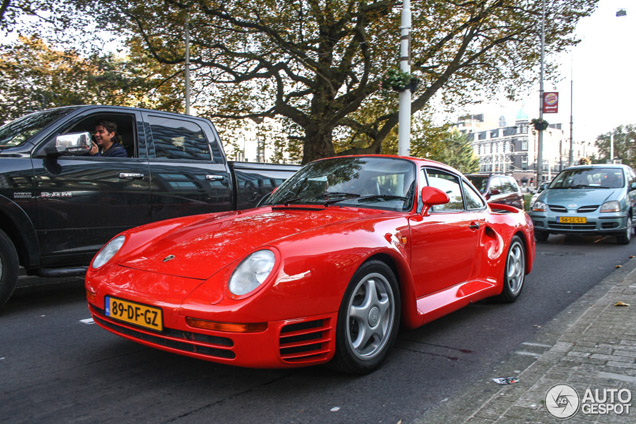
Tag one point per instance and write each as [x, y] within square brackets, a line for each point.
[589, 178]
[383, 183]
[19, 131]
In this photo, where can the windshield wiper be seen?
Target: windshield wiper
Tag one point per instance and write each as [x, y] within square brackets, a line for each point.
[381, 197]
[341, 196]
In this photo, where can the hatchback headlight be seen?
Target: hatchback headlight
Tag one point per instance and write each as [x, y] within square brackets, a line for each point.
[252, 272]
[539, 207]
[108, 251]
[611, 206]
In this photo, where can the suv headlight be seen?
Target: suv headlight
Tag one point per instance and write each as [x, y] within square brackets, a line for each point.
[252, 272]
[611, 206]
[539, 207]
[108, 252]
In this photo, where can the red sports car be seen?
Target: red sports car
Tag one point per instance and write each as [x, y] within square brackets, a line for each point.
[326, 269]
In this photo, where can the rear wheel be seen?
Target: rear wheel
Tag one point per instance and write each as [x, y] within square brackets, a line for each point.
[368, 319]
[515, 272]
[626, 236]
[8, 267]
[541, 235]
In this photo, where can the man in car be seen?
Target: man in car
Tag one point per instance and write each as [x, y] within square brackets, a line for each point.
[107, 141]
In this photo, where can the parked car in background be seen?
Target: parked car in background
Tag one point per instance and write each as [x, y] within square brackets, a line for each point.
[498, 188]
[342, 254]
[587, 199]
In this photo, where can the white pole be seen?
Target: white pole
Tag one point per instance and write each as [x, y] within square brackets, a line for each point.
[612, 147]
[404, 129]
[187, 66]
[540, 143]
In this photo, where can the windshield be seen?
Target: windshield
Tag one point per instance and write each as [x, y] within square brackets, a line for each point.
[382, 183]
[22, 129]
[589, 178]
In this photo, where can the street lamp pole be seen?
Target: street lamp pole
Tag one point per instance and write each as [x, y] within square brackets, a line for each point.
[187, 65]
[404, 128]
[540, 142]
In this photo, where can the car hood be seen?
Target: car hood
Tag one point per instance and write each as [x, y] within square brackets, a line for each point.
[203, 246]
[579, 197]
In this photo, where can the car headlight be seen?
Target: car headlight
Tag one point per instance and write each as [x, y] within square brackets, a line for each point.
[108, 251]
[611, 206]
[539, 207]
[252, 272]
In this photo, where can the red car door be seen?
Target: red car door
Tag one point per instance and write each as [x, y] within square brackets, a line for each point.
[445, 242]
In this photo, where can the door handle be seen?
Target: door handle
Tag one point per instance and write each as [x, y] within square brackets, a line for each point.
[130, 176]
[214, 177]
[474, 225]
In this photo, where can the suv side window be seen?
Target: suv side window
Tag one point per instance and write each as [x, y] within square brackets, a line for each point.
[495, 184]
[178, 139]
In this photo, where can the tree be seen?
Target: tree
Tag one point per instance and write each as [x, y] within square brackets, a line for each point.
[39, 76]
[624, 144]
[319, 64]
[457, 152]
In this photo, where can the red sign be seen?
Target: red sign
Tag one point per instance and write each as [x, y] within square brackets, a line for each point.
[551, 102]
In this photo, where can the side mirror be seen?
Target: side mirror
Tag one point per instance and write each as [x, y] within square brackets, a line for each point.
[432, 196]
[73, 144]
[495, 191]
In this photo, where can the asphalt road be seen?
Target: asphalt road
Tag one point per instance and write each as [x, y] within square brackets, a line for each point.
[57, 368]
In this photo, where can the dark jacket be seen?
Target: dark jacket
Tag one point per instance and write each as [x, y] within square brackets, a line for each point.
[116, 150]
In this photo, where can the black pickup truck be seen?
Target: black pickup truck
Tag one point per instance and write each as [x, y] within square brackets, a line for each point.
[58, 205]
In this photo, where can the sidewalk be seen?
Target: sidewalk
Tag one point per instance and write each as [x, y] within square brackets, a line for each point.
[590, 347]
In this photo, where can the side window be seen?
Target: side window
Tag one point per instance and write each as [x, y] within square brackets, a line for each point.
[473, 200]
[450, 185]
[496, 184]
[178, 139]
[123, 125]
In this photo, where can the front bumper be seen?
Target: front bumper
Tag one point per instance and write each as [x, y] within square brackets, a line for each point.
[284, 344]
[612, 223]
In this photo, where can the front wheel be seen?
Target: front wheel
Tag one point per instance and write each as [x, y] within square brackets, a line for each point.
[541, 235]
[8, 267]
[626, 236]
[368, 319]
[515, 272]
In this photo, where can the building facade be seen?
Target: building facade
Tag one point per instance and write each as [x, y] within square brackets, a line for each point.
[512, 149]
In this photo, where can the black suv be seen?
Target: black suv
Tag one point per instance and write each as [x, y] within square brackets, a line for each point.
[498, 188]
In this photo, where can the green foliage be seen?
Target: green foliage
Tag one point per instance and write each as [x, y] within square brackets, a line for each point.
[39, 76]
[457, 152]
[624, 145]
[319, 65]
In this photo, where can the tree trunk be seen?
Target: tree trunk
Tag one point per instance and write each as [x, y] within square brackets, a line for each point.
[318, 142]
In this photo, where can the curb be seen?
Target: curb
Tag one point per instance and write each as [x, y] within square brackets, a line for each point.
[576, 347]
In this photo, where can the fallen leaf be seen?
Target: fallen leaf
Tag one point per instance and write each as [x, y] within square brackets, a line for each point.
[621, 304]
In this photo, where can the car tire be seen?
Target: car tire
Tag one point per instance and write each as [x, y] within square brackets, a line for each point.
[541, 235]
[368, 319]
[514, 272]
[9, 267]
[626, 236]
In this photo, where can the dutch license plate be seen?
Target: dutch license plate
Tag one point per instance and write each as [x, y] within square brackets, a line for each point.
[134, 313]
[571, 219]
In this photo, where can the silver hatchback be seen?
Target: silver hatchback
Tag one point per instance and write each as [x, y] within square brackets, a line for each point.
[592, 199]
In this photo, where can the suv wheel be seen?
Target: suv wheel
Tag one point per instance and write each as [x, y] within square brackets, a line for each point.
[8, 267]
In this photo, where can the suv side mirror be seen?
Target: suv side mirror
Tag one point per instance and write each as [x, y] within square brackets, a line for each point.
[72, 144]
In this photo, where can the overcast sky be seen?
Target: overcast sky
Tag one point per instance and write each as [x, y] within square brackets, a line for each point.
[602, 68]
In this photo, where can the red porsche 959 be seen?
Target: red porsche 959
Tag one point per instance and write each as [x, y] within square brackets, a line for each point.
[327, 269]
